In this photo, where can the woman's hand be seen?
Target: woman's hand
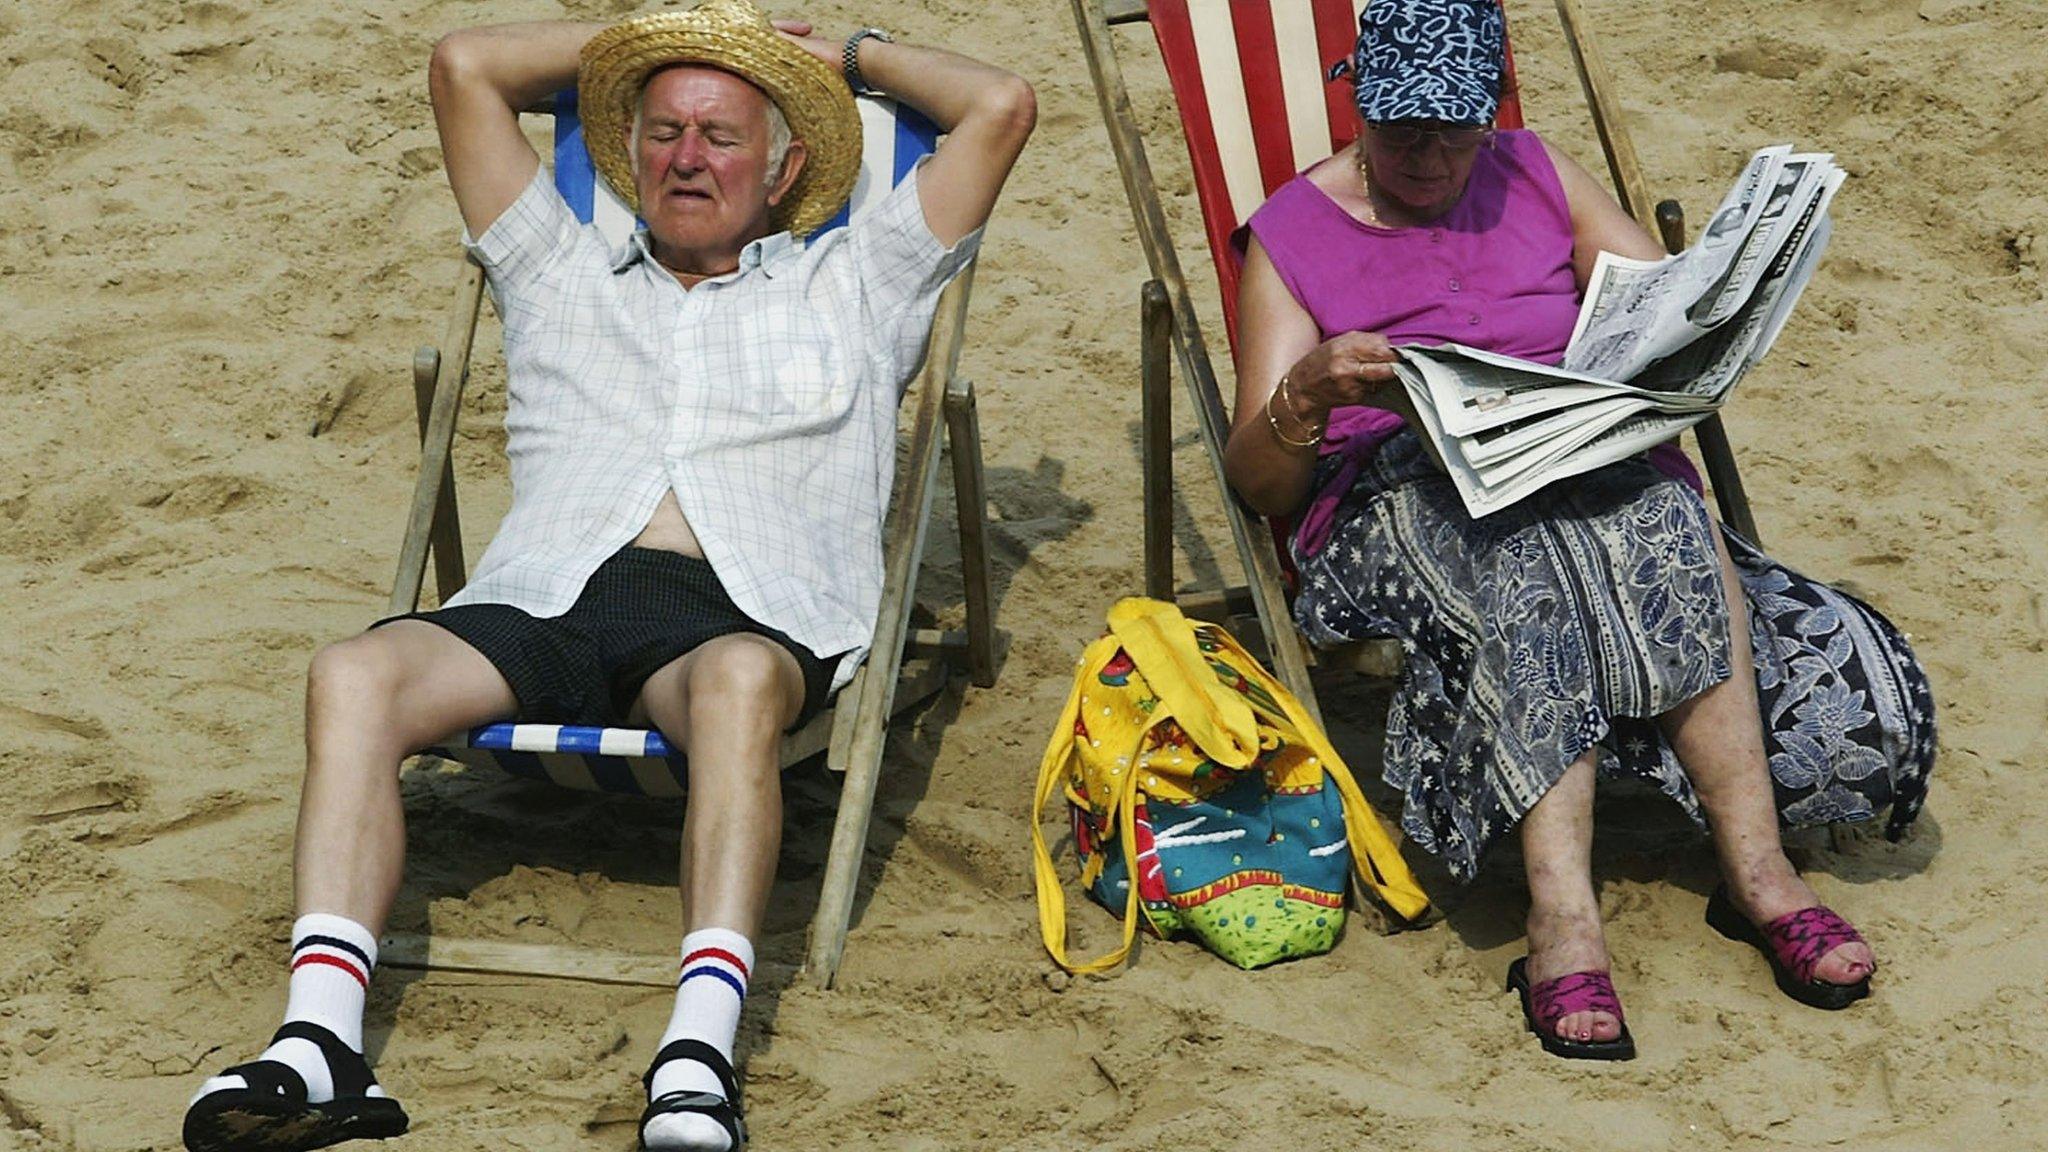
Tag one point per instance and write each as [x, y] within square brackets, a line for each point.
[1353, 368]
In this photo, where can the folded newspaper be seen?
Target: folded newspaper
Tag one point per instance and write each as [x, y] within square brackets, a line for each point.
[1657, 347]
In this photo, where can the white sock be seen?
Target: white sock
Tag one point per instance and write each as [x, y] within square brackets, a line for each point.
[716, 966]
[332, 958]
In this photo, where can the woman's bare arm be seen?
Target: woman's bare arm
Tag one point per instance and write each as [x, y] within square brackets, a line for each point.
[1598, 223]
[1278, 338]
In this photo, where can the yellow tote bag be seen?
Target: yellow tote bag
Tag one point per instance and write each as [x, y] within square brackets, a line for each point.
[1174, 719]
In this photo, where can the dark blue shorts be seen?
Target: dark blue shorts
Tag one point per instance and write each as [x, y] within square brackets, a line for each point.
[642, 608]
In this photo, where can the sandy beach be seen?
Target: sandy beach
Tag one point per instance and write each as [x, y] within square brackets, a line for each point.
[225, 231]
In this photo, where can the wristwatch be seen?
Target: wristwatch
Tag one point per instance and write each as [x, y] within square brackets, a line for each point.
[849, 59]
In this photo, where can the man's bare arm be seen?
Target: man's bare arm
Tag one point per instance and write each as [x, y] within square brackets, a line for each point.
[479, 78]
[986, 113]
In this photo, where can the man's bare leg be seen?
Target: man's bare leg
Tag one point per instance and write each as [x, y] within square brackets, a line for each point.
[726, 704]
[1564, 929]
[370, 701]
[1718, 736]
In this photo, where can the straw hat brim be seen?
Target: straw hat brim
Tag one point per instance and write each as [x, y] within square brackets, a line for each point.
[736, 38]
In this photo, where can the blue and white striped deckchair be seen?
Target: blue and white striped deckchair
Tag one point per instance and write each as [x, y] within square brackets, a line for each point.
[903, 667]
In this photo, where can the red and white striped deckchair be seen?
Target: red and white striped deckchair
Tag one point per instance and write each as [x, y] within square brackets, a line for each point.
[1254, 105]
[1255, 108]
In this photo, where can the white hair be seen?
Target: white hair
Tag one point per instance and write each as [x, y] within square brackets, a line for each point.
[778, 141]
[778, 133]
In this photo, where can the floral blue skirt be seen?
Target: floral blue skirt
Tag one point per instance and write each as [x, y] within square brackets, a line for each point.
[1570, 620]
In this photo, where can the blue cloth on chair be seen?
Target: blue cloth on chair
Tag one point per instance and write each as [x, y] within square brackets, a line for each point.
[634, 761]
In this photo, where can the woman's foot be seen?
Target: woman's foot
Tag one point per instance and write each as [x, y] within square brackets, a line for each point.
[1771, 890]
[1567, 941]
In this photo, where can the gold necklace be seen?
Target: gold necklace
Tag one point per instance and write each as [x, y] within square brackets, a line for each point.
[1372, 209]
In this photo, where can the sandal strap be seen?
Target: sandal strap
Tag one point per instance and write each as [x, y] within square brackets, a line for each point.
[350, 1072]
[702, 1053]
[1798, 940]
[1553, 1000]
[723, 1112]
[271, 1078]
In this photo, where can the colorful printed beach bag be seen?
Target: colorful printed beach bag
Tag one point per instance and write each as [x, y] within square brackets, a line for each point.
[1189, 768]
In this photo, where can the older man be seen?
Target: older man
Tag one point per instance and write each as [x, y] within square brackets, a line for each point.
[701, 432]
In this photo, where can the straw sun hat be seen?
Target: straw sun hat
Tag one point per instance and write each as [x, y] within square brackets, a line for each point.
[733, 36]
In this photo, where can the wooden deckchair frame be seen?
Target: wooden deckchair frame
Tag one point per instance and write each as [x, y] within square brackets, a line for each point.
[904, 667]
[1167, 315]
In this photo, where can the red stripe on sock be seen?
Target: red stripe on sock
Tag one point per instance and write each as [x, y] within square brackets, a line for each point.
[336, 961]
[716, 954]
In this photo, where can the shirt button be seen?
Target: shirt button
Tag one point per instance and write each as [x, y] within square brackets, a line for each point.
[1455, 286]
[1472, 319]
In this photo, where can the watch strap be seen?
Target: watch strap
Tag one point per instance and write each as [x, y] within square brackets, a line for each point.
[849, 59]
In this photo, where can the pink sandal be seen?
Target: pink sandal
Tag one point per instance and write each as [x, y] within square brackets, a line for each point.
[1794, 944]
[1553, 1000]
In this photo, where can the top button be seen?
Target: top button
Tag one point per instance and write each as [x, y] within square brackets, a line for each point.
[1455, 286]
[1436, 235]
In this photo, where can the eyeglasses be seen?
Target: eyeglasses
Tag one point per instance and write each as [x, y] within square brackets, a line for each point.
[1409, 138]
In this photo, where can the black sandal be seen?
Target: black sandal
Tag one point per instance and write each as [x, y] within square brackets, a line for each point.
[1794, 944]
[272, 1114]
[725, 1111]
[1543, 1005]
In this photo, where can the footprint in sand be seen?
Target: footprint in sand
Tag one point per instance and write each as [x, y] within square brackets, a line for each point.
[86, 800]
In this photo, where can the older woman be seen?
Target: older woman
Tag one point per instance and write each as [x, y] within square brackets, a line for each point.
[1584, 629]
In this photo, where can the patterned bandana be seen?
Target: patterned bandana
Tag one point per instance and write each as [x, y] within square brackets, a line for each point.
[1428, 60]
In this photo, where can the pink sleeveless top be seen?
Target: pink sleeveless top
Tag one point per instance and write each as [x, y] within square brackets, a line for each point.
[1494, 272]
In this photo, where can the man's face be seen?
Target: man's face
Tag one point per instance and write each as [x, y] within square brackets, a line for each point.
[702, 161]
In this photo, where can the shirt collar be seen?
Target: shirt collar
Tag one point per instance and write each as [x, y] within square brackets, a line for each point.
[765, 253]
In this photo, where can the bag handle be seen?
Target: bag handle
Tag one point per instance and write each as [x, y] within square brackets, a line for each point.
[1374, 853]
[1052, 898]
[1162, 643]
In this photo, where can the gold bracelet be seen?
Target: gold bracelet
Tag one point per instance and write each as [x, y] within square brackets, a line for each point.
[1289, 405]
[1274, 423]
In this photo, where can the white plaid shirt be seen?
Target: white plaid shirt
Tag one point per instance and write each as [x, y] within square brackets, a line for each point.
[765, 398]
